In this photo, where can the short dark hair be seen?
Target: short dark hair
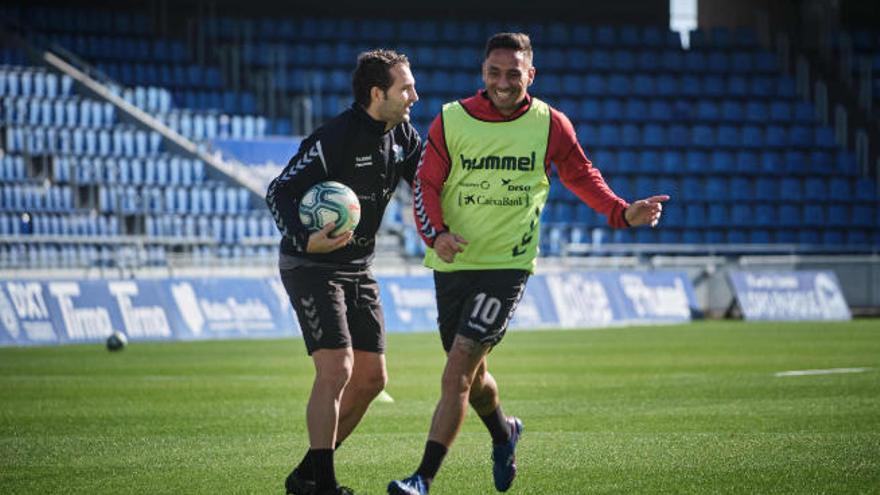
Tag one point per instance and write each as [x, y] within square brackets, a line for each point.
[514, 41]
[374, 69]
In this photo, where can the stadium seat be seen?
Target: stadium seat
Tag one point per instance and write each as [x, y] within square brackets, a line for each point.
[741, 214]
[815, 189]
[832, 237]
[695, 215]
[838, 215]
[765, 215]
[790, 214]
[737, 236]
[759, 236]
[813, 215]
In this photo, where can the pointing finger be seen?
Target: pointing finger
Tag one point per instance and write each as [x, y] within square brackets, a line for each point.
[658, 198]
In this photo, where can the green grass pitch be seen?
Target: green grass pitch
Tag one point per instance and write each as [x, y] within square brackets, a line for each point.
[679, 409]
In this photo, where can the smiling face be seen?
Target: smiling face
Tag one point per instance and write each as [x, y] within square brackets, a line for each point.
[507, 74]
[393, 106]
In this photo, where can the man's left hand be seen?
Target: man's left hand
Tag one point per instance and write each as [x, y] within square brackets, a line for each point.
[645, 211]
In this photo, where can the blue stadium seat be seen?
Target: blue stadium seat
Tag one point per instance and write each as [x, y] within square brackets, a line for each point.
[702, 136]
[672, 163]
[611, 109]
[635, 110]
[815, 189]
[619, 85]
[766, 189]
[605, 159]
[791, 188]
[737, 85]
[759, 236]
[832, 237]
[864, 215]
[757, 112]
[813, 214]
[717, 215]
[630, 135]
[772, 163]
[865, 190]
[654, 135]
[741, 214]
[765, 215]
[740, 188]
[690, 86]
[692, 189]
[718, 62]
[714, 86]
[595, 85]
[728, 136]
[659, 110]
[590, 110]
[643, 85]
[697, 162]
[714, 236]
[573, 84]
[666, 85]
[824, 137]
[600, 60]
[692, 236]
[624, 61]
[855, 237]
[648, 161]
[647, 62]
[628, 161]
[790, 214]
[737, 236]
[838, 215]
[717, 188]
[707, 110]
[752, 137]
[780, 112]
[695, 215]
[608, 135]
[804, 112]
[800, 136]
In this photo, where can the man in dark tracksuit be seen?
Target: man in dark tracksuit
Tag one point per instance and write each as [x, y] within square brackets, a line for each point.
[369, 148]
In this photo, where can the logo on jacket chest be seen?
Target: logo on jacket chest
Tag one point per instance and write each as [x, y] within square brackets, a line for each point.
[363, 161]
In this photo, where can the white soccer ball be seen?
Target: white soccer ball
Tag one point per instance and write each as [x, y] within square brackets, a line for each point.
[116, 341]
[327, 202]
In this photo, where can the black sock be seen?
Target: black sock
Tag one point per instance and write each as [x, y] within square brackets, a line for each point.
[497, 425]
[306, 469]
[434, 454]
[325, 474]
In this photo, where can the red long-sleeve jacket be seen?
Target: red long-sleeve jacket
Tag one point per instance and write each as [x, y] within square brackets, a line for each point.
[574, 168]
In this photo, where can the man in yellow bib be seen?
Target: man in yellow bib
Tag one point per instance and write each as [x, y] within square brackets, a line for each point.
[479, 192]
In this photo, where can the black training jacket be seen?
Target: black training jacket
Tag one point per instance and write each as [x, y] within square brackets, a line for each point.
[355, 150]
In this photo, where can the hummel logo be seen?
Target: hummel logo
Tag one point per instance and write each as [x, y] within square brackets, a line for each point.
[505, 182]
[363, 161]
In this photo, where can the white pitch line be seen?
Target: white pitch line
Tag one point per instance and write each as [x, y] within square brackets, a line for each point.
[830, 371]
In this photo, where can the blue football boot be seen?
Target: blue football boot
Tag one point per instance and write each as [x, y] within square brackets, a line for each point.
[504, 457]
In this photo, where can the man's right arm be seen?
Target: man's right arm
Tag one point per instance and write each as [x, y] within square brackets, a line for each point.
[306, 168]
[430, 177]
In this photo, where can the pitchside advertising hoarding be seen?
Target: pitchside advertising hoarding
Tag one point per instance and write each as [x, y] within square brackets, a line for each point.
[35, 312]
[788, 295]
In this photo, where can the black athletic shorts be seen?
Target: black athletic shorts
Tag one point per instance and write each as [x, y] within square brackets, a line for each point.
[336, 308]
[477, 304]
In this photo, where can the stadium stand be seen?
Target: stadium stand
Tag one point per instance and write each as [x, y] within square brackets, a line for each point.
[720, 127]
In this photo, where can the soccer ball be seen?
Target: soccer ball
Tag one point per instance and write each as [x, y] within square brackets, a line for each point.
[116, 341]
[327, 202]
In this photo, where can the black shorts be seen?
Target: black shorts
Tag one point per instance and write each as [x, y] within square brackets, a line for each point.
[336, 308]
[477, 304]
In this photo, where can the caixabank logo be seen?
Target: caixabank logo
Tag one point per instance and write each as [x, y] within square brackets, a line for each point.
[497, 193]
[466, 199]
